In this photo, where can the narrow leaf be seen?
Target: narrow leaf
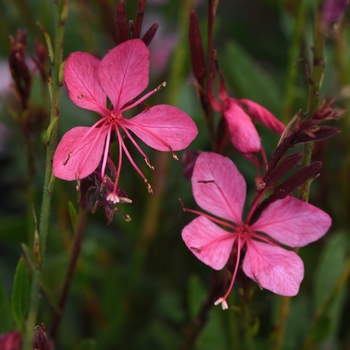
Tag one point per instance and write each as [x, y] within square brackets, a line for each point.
[282, 168]
[20, 294]
[6, 319]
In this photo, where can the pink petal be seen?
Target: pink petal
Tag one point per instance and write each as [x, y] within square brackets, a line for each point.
[84, 89]
[293, 222]
[243, 134]
[83, 147]
[273, 268]
[262, 115]
[218, 187]
[212, 244]
[123, 72]
[162, 126]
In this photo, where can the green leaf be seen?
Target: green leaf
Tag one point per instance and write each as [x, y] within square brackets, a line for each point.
[86, 344]
[6, 319]
[20, 294]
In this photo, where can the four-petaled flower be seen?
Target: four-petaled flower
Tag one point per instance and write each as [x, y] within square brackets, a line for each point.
[121, 76]
[219, 188]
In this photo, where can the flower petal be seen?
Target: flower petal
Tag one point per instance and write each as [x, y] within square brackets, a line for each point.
[243, 134]
[79, 152]
[163, 127]
[293, 222]
[123, 72]
[208, 242]
[80, 76]
[218, 186]
[273, 268]
[264, 116]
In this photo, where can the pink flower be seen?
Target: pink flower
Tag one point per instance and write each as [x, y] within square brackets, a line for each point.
[243, 133]
[238, 114]
[121, 76]
[10, 341]
[219, 188]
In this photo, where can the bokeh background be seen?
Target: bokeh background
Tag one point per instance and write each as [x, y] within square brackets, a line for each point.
[136, 285]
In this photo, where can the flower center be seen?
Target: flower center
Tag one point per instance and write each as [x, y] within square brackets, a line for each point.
[113, 118]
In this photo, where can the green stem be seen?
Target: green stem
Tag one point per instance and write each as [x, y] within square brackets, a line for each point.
[315, 82]
[293, 55]
[248, 337]
[61, 14]
[277, 335]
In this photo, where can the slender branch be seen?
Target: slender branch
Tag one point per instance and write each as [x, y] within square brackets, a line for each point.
[293, 55]
[71, 268]
[315, 82]
[193, 330]
[61, 14]
[277, 336]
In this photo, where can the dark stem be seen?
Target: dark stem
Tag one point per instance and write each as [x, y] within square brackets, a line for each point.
[193, 330]
[71, 269]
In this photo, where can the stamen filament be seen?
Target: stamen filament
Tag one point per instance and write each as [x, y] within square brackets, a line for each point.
[136, 103]
[106, 150]
[216, 240]
[223, 299]
[212, 218]
[101, 130]
[132, 162]
[136, 145]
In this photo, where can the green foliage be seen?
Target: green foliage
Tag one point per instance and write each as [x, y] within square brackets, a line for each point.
[86, 344]
[249, 79]
[6, 319]
[20, 294]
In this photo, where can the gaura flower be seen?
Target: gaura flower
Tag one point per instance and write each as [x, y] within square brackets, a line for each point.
[219, 188]
[238, 114]
[121, 76]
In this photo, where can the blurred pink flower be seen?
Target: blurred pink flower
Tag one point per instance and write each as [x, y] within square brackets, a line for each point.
[163, 43]
[333, 11]
[5, 82]
[10, 341]
[121, 76]
[219, 188]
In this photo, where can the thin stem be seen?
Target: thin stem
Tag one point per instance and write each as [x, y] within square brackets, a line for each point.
[61, 14]
[277, 336]
[193, 330]
[249, 342]
[71, 268]
[315, 82]
[293, 55]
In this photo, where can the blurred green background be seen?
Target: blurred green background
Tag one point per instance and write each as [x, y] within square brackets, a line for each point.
[136, 285]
